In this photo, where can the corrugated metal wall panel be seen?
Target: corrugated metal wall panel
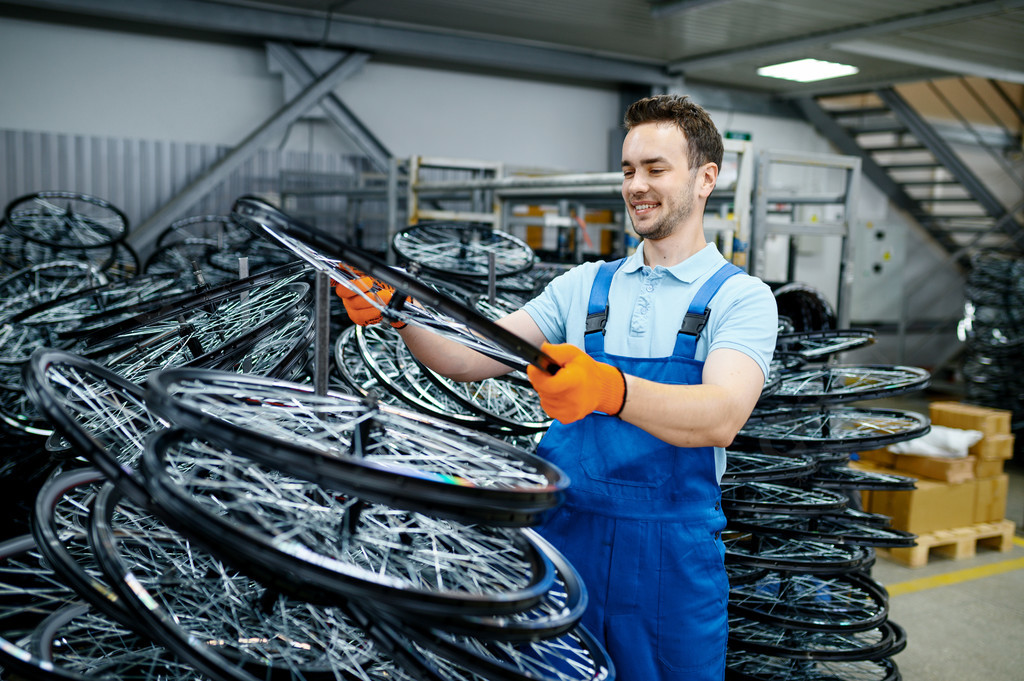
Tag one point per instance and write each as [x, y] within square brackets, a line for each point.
[139, 176]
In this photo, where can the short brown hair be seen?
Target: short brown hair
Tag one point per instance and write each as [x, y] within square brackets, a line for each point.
[704, 143]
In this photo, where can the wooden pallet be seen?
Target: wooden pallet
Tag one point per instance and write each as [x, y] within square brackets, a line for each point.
[957, 543]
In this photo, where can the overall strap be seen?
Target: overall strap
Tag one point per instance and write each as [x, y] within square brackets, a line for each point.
[698, 312]
[597, 307]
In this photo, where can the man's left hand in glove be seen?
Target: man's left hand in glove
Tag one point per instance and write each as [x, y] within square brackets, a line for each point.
[582, 385]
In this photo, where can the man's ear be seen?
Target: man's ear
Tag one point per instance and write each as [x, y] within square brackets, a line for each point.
[706, 179]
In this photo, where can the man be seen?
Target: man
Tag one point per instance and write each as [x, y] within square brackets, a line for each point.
[664, 355]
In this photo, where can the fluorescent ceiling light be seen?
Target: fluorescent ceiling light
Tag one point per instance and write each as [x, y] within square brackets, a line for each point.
[807, 70]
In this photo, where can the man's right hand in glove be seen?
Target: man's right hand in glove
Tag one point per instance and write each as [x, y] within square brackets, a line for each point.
[360, 310]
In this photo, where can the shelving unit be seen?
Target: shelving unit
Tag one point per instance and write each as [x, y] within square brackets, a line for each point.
[820, 201]
[424, 188]
[486, 195]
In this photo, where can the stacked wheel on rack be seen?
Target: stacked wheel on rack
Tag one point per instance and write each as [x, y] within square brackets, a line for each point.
[803, 606]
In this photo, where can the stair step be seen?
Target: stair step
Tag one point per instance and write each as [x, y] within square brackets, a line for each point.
[910, 166]
[899, 147]
[863, 111]
[887, 127]
[928, 183]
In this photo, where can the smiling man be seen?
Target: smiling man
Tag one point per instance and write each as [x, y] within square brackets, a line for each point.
[664, 354]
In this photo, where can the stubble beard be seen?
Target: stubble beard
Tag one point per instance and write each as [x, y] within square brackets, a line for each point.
[666, 224]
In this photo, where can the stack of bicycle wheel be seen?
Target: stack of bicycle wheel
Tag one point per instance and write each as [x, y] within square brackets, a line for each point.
[993, 331]
[52, 245]
[251, 528]
[803, 606]
[51, 226]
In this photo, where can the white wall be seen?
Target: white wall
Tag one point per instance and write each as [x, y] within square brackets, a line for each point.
[430, 112]
[56, 78]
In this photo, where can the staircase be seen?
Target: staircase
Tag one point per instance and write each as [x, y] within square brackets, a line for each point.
[915, 162]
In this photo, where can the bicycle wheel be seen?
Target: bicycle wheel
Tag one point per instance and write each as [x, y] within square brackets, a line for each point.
[427, 308]
[506, 403]
[233, 296]
[102, 415]
[769, 639]
[574, 656]
[816, 346]
[398, 375]
[463, 249]
[76, 643]
[742, 665]
[220, 620]
[33, 600]
[832, 603]
[66, 220]
[378, 452]
[278, 353]
[259, 255]
[846, 478]
[316, 544]
[199, 334]
[846, 383]
[557, 613]
[835, 429]
[846, 528]
[60, 526]
[53, 323]
[779, 553]
[26, 288]
[767, 497]
[102, 324]
[219, 230]
[18, 413]
[749, 466]
[186, 260]
[70, 310]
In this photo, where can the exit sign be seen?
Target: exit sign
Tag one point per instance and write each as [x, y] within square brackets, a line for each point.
[735, 135]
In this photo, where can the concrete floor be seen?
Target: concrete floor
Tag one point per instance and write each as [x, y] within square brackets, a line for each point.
[964, 618]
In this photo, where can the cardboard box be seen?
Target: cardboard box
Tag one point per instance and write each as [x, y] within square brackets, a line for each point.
[996, 446]
[932, 506]
[936, 467]
[879, 457]
[986, 468]
[990, 499]
[970, 417]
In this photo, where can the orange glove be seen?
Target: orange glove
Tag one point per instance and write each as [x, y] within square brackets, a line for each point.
[581, 386]
[360, 310]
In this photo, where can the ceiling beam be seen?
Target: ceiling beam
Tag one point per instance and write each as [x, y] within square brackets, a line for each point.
[868, 30]
[664, 8]
[312, 28]
[929, 59]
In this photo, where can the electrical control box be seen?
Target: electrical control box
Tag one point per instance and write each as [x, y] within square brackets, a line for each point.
[879, 254]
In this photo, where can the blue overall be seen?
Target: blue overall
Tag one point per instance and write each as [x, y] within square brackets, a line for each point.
[642, 520]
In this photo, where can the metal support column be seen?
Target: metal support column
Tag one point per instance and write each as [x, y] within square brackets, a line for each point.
[274, 126]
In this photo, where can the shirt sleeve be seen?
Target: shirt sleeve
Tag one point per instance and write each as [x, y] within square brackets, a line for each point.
[562, 302]
[749, 322]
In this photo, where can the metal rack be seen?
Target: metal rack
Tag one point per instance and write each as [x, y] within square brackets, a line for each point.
[488, 195]
[806, 211]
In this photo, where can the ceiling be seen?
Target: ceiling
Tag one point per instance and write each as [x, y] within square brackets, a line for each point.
[644, 42]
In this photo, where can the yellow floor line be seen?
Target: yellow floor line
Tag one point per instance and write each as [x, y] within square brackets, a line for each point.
[957, 577]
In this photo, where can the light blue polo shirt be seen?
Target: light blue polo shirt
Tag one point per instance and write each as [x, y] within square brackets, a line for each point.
[646, 306]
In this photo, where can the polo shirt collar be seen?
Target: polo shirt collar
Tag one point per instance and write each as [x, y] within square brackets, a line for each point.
[688, 271]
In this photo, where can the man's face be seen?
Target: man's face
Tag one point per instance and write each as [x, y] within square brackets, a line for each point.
[657, 185]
